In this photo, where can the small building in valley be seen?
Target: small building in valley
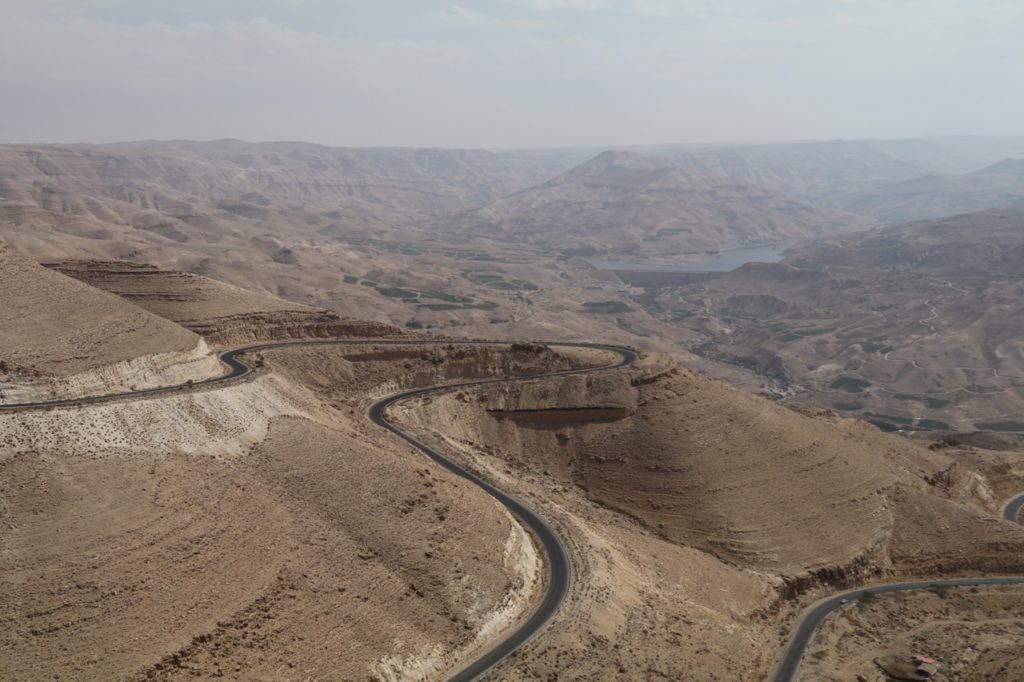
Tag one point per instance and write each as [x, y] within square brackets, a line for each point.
[903, 667]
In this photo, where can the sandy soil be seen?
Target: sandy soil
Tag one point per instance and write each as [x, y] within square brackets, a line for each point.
[323, 549]
[266, 530]
[225, 315]
[696, 540]
[56, 326]
[974, 633]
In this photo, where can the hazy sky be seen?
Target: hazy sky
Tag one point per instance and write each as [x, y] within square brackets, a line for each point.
[503, 73]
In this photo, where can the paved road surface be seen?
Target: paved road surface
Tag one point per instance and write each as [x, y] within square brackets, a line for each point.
[558, 573]
[813, 618]
[1011, 512]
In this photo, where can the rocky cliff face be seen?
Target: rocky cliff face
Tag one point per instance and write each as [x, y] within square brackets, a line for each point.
[809, 497]
[135, 374]
[61, 338]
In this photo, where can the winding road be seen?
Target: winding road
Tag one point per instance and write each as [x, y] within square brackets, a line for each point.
[813, 617]
[559, 571]
[558, 566]
[1011, 510]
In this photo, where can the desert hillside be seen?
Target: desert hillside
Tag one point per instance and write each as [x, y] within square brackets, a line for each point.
[253, 530]
[623, 204]
[823, 171]
[980, 245]
[321, 227]
[910, 327]
[222, 313]
[660, 465]
[62, 338]
[687, 455]
[264, 526]
[376, 234]
[177, 188]
[935, 196]
[517, 340]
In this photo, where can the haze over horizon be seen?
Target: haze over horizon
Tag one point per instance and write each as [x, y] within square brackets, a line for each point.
[508, 73]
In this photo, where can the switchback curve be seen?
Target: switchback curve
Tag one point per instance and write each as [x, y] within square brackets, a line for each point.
[813, 616]
[558, 566]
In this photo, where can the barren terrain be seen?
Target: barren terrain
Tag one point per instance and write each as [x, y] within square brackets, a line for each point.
[973, 633]
[911, 327]
[55, 333]
[263, 528]
[266, 529]
[627, 205]
[246, 531]
[671, 473]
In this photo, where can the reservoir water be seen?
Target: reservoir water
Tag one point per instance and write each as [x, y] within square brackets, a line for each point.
[723, 261]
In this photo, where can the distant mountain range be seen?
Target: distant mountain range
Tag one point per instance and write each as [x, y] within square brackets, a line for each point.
[934, 196]
[625, 204]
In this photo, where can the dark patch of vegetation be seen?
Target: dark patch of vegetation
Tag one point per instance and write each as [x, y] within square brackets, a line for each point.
[932, 425]
[802, 333]
[1006, 426]
[894, 419]
[875, 347]
[933, 403]
[726, 313]
[495, 281]
[682, 314]
[451, 298]
[490, 268]
[850, 384]
[880, 243]
[486, 278]
[442, 306]
[351, 279]
[606, 307]
[648, 300]
[369, 283]
[418, 248]
[397, 292]
[483, 305]
[848, 407]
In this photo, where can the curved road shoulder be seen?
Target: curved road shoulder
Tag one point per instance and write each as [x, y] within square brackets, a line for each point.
[1012, 509]
[558, 566]
[812, 618]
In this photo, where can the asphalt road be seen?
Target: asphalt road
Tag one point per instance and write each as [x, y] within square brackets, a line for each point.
[812, 618]
[559, 573]
[1011, 512]
[558, 568]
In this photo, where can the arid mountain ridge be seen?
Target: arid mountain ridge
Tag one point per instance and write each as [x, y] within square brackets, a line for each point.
[263, 528]
[259, 527]
[472, 242]
[934, 196]
[621, 204]
[911, 326]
